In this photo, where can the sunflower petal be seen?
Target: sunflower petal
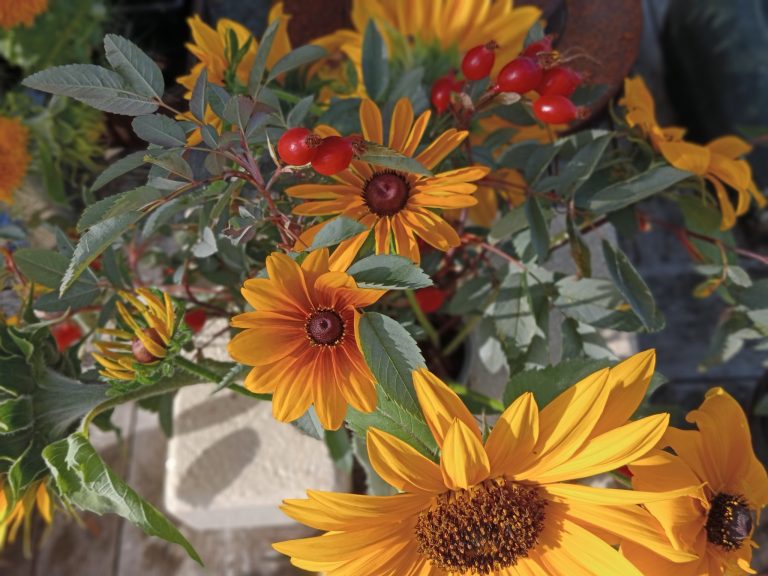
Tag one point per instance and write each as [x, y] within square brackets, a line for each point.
[463, 459]
[514, 435]
[402, 466]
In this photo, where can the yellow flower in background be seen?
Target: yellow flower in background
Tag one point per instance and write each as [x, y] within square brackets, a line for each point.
[35, 497]
[500, 506]
[719, 162]
[148, 330]
[15, 12]
[212, 47]
[396, 205]
[505, 183]
[302, 339]
[449, 24]
[718, 525]
[14, 156]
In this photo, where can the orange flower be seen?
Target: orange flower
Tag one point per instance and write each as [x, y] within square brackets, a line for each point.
[394, 204]
[302, 339]
[14, 156]
[15, 12]
[505, 183]
[719, 162]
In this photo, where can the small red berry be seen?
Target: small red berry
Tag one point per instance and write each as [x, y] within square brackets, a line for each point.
[478, 62]
[535, 48]
[297, 146]
[66, 334]
[559, 80]
[195, 319]
[333, 155]
[441, 91]
[430, 299]
[555, 109]
[521, 75]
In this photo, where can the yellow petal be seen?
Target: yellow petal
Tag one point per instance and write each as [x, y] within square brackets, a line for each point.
[514, 435]
[440, 405]
[730, 146]
[370, 121]
[401, 466]
[400, 126]
[463, 460]
[686, 156]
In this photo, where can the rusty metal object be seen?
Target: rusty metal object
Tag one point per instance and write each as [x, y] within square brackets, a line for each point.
[310, 20]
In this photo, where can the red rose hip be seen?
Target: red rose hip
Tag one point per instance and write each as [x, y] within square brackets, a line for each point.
[478, 62]
[521, 75]
[535, 48]
[66, 334]
[297, 146]
[430, 299]
[332, 156]
[441, 91]
[555, 109]
[559, 80]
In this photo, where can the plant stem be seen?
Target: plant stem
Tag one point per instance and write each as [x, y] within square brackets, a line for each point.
[422, 319]
[454, 344]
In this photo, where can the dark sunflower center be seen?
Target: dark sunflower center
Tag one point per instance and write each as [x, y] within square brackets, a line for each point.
[140, 352]
[325, 327]
[386, 193]
[481, 530]
[729, 521]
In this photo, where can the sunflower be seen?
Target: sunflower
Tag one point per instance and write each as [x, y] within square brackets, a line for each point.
[505, 183]
[497, 507]
[716, 525]
[394, 204]
[14, 156]
[449, 25]
[15, 12]
[719, 162]
[302, 339]
[144, 340]
[20, 514]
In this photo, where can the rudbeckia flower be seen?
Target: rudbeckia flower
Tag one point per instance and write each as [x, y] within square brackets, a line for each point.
[500, 506]
[14, 12]
[505, 183]
[717, 525]
[396, 205]
[14, 156]
[35, 497]
[447, 24]
[719, 162]
[144, 339]
[302, 339]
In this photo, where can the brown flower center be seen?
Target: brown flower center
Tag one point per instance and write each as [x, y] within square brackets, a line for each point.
[386, 193]
[140, 352]
[325, 327]
[729, 521]
[481, 530]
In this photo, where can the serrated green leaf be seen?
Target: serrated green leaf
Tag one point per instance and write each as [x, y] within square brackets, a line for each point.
[159, 129]
[375, 62]
[115, 205]
[134, 65]
[336, 231]
[42, 266]
[299, 57]
[388, 272]
[637, 188]
[95, 86]
[388, 158]
[632, 287]
[122, 166]
[83, 479]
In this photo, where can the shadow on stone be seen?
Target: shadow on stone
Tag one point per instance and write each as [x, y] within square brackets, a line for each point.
[211, 412]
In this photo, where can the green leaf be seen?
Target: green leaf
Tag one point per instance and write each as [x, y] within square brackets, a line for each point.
[632, 287]
[510, 224]
[42, 266]
[512, 309]
[79, 295]
[15, 413]
[387, 272]
[173, 162]
[539, 230]
[628, 192]
[199, 101]
[134, 65]
[260, 62]
[95, 86]
[122, 166]
[84, 480]
[582, 166]
[94, 242]
[595, 302]
[580, 252]
[547, 383]
[299, 112]
[388, 158]
[115, 205]
[335, 231]
[375, 62]
[159, 129]
[299, 57]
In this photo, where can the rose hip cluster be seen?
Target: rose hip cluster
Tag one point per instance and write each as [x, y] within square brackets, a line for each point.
[328, 156]
[536, 69]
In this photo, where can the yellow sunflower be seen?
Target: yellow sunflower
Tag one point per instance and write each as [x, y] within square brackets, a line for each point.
[144, 339]
[718, 524]
[448, 24]
[14, 156]
[502, 506]
[719, 162]
[505, 183]
[11, 520]
[302, 339]
[396, 205]
[15, 12]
